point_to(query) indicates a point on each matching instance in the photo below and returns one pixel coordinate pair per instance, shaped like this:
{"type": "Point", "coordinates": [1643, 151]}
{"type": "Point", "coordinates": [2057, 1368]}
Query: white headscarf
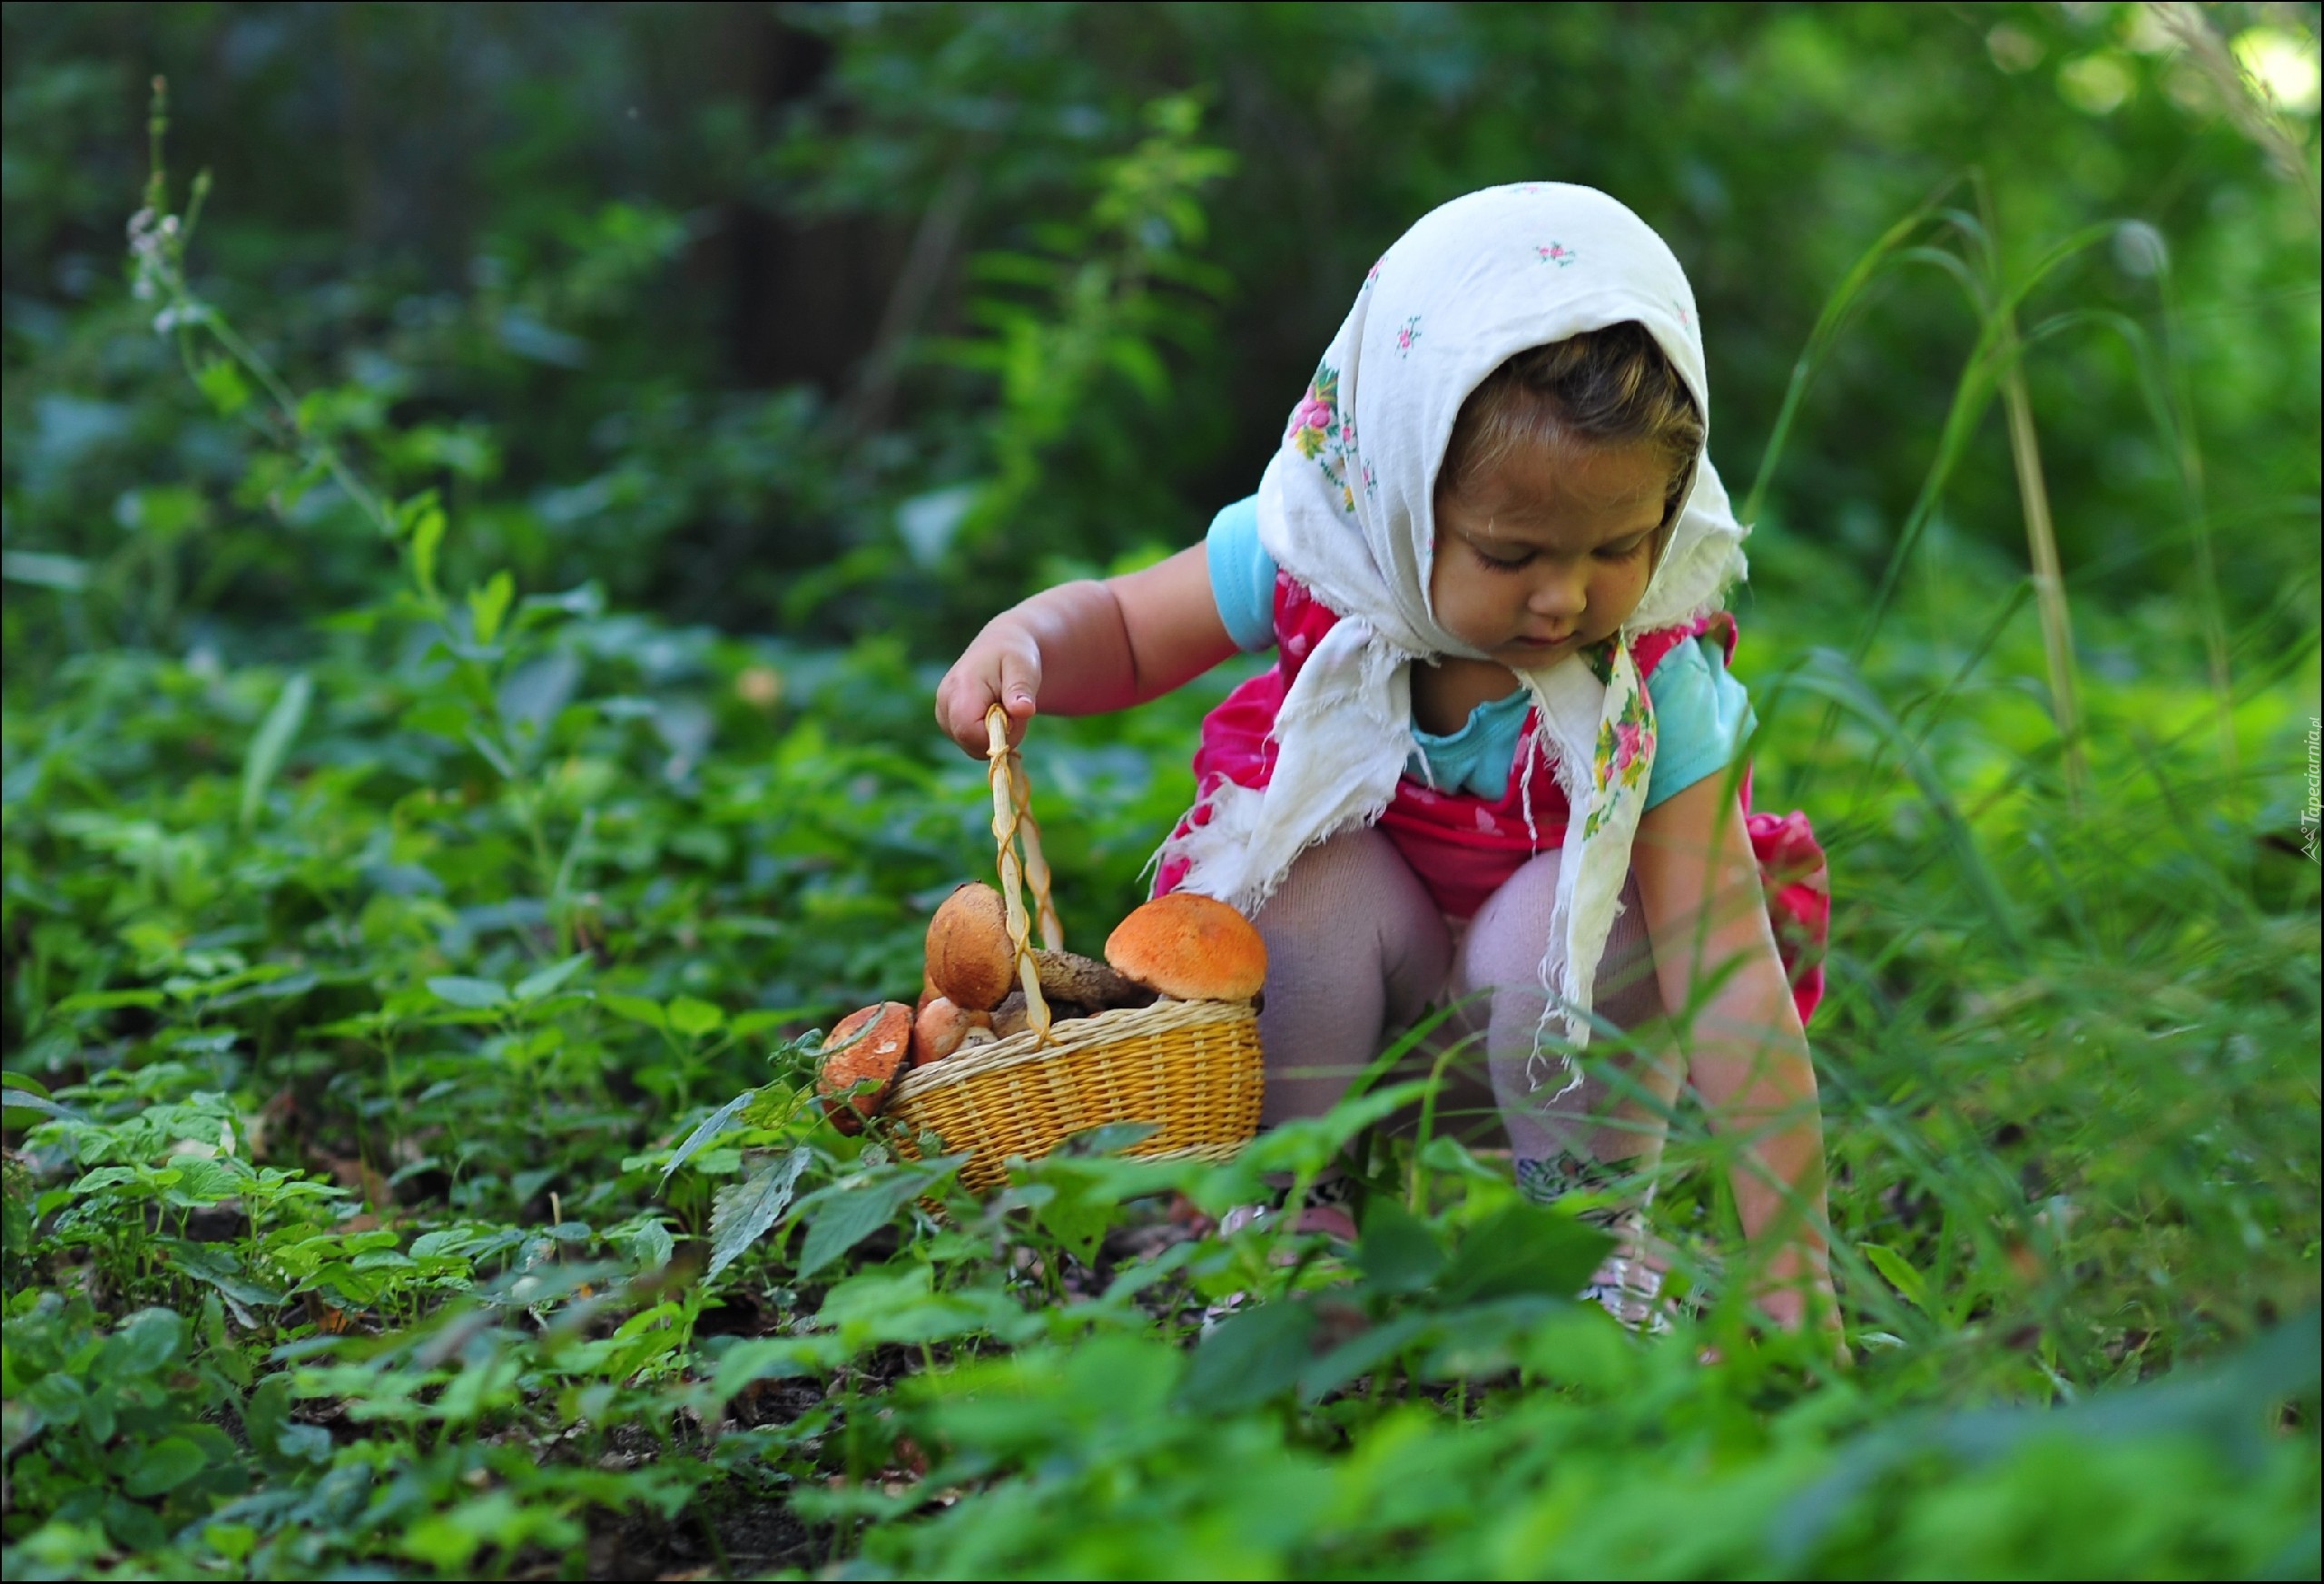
{"type": "Point", "coordinates": [1346, 509]}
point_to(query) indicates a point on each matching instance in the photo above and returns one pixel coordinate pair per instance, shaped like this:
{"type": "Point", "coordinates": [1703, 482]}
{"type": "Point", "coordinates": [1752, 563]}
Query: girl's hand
{"type": "Point", "coordinates": [1796, 1293]}
{"type": "Point", "coordinates": [1003, 667]}
{"type": "Point", "coordinates": [1715, 954]}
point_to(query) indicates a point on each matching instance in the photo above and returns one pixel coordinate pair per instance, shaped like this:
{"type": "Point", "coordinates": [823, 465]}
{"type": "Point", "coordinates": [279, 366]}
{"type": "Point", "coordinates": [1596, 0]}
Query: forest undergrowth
{"type": "Point", "coordinates": [409, 1164]}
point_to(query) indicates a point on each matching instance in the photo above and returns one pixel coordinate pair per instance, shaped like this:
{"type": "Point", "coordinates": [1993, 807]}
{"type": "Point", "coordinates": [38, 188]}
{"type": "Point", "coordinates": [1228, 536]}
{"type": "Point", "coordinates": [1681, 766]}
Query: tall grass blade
{"type": "Point", "coordinates": [1833, 318]}
{"type": "Point", "coordinates": [2042, 548]}
{"type": "Point", "coordinates": [275, 735]}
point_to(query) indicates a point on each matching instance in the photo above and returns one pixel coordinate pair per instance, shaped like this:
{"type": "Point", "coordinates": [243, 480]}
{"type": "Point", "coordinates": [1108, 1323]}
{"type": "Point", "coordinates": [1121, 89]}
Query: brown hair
{"type": "Point", "coordinates": [1611, 387]}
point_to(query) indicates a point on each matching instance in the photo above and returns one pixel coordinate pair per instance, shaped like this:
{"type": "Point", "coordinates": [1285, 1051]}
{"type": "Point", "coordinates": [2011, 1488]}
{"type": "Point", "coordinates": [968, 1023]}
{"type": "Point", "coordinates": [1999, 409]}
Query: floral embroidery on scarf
{"type": "Point", "coordinates": [1406, 336]}
{"type": "Point", "coordinates": [1318, 432]}
{"type": "Point", "coordinates": [1625, 751]}
{"type": "Point", "coordinates": [1313, 418]}
{"type": "Point", "coordinates": [1556, 253]}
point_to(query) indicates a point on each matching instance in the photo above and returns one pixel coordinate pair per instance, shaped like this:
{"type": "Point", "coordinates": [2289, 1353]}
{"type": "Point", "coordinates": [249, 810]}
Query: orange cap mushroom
{"type": "Point", "coordinates": [1193, 947]}
{"type": "Point", "coordinates": [941, 1028]}
{"type": "Point", "coordinates": [971, 961]}
{"type": "Point", "coordinates": [868, 1046]}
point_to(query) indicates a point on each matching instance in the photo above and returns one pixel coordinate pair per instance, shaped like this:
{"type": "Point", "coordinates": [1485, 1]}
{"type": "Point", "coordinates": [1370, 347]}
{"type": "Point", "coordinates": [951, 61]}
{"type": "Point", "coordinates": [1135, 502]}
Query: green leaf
{"type": "Point", "coordinates": [1249, 1357]}
{"type": "Point", "coordinates": [65, 574]}
{"type": "Point", "coordinates": [218, 1266]}
{"type": "Point", "coordinates": [22, 1108]}
{"type": "Point", "coordinates": [134, 1528]}
{"type": "Point", "coordinates": [845, 1214]}
{"type": "Point", "coordinates": [650, 1245]}
{"type": "Point", "coordinates": [472, 993]}
{"type": "Point", "coordinates": [273, 740]}
{"type": "Point", "coordinates": [742, 1025]}
{"type": "Point", "coordinates": [493, 753]}
{"type": "Point", "coordinates": [1076, 1218]}
{"type": "Point", "coordinates": [1523, 1249]}
{"type": "Point", "coordinates": [694, 1018]}
{"type": "Point", "coordinates": [1362, 1354]}
{"type": "Point", "coordinates": [1899, 1273]}
{"type": "Point", "coordinates": [107, 1000]}
{"type": "Point", "coordinates": [711, 1126]}
{"type": "Point", "coordinates": [1109, 1138]}
{"type": "Point", "coordinates": [223, 384]}
{"type": "Point", "coordinates": [637, 1008]}
{"type": "Point", "coordinates": [167, 1464]}
{"type": "Point", "coordinates": [774, 1358]}
{"type": "Point", "coordinates": [442, 716]}
{"type": "Point", "coordinates": [744, 1210]}
{"type": "Point", "coordinates": [148, 1341]}
{"type": "Point", "coordinates": [488, 605]}
{"type": "Point", "coordinates": [232, 1542]}
{"type": "Point", "coordinates": [1396, 1253]}
{"type": "Point", "coordinates": [547, 980]}
{"type": "Point", "coordinates": [57, 1398]}
{"type": "Point", "coordinates": [426, 534]}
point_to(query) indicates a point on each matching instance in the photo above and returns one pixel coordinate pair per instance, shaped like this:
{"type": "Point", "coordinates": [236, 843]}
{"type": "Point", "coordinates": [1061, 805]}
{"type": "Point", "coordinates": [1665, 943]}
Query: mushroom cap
{"type": "Point", "coordinates": [875, 1058]}
{"type": "Point", "coordinates": [971, 961]}
{"type": "Point", "coordinates": [941, 1028]}
{"type": "Point", "coordinates": [1194, 947]}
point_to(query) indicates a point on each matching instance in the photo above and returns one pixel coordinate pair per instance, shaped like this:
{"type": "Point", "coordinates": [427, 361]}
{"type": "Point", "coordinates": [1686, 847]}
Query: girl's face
{"type": "Point", "coordinates": [1549, 551]}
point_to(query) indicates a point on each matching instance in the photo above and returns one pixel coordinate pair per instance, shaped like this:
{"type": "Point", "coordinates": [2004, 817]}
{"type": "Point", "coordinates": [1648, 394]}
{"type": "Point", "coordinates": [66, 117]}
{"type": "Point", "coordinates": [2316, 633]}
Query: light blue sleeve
{"type": "Point", "coordinates": [1702, 718]}
{"type": "Point", "coordinates": [1242, 576]}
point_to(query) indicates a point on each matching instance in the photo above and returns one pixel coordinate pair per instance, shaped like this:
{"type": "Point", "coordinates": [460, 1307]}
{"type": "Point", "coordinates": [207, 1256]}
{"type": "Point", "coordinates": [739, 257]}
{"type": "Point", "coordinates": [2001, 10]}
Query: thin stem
{"type": "Point", "coordinates": [2040, 538]}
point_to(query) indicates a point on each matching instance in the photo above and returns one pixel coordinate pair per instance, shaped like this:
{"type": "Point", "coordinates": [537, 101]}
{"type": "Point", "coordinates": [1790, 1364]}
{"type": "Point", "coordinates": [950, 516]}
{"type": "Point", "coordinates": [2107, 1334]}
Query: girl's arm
{"type": "Point", "coordinates": [1715, 952]}
{"type": "Point", "coordinates": [1086, 648]}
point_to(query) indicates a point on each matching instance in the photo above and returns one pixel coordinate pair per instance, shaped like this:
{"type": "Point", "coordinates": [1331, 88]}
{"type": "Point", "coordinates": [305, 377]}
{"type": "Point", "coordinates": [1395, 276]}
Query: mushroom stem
{"type": "Point", "coordinates": [1068, 976]}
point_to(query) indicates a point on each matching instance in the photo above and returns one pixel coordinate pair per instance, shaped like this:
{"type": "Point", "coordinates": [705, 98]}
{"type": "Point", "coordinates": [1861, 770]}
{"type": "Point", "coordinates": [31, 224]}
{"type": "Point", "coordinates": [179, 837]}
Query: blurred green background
{"type": "Point", "coordinates": [715, 304]}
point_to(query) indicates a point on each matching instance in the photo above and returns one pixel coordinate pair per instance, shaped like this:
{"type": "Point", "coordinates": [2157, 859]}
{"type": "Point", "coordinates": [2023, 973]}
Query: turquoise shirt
{"type": "Point", "coordinates": [1702, 715]}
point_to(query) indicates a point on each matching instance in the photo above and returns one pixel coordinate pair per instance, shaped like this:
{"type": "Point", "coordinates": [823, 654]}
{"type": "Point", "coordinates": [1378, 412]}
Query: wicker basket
{"type": "Point", "coordinates": [1191, 1067]}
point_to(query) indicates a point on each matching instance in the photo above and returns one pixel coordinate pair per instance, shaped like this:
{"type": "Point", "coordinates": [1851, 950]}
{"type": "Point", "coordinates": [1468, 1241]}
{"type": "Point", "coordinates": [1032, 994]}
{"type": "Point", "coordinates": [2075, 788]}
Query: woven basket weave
{"type": "Point", "coordinates": [1190, 1068]}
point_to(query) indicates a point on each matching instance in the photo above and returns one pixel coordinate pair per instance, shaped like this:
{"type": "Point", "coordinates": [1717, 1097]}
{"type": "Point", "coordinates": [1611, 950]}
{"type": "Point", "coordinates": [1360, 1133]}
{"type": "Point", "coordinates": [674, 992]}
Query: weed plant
{"type": "Point", "coordinates": [410, 1167]}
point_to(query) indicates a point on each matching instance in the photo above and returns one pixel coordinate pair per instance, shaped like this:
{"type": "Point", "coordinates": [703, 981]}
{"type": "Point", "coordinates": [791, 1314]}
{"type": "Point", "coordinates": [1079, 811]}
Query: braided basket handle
{"type": "Point", "coordinates": [1013, 825]}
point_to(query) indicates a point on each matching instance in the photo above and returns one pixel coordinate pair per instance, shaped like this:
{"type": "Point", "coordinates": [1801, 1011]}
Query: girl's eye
{"type": "Point", "coordinates": [1625, 550]}
{"type": "Point", "coordinates": [1498, 565]}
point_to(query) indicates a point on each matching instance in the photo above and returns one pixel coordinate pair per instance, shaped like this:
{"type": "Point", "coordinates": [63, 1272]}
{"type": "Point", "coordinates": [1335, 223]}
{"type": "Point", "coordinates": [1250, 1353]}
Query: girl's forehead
{"type": "Point", "coordinates": [1539, 489]}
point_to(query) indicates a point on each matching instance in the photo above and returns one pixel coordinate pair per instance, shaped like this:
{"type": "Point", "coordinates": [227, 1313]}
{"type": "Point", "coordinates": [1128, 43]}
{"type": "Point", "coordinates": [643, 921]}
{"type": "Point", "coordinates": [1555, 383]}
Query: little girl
{"type": "Point", "coordinates": [1494, 754]}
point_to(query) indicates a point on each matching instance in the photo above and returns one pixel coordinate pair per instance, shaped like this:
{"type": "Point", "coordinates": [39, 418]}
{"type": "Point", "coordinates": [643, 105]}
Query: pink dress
{"type": "Point", "coordinates": [1463, 846]}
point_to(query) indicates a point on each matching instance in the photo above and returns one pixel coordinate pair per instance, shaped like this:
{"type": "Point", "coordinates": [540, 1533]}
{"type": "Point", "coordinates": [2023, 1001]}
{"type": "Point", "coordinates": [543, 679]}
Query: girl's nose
{"type": "Point", "coordinates": [1563, 593]}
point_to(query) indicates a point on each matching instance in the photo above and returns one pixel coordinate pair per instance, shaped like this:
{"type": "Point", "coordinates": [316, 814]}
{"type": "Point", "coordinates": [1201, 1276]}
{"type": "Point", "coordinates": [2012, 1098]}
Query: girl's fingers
{"type": "Point", "coordinates": [992, 672]}
{"type": "Point", "coordinates": [961, 701]}
{"type": "Point", "coordinates": [1020, 686]}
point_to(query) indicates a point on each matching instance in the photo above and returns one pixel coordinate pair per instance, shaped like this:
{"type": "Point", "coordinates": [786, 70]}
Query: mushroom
{"type": "Point", "coordinates": [1009, 1018]}
{"type": "Point", "coordinates": [1191, 948]}
{"type": "Point", "coordinates": [942, 1029]}
{"type": "Point", "coordinates": [972, 962]}
{"type": "Point", "coordinates": [866, 1047]}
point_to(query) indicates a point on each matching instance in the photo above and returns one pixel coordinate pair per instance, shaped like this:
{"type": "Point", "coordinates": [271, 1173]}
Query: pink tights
{"type": "Point", "coordinates": [1358, 952]}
